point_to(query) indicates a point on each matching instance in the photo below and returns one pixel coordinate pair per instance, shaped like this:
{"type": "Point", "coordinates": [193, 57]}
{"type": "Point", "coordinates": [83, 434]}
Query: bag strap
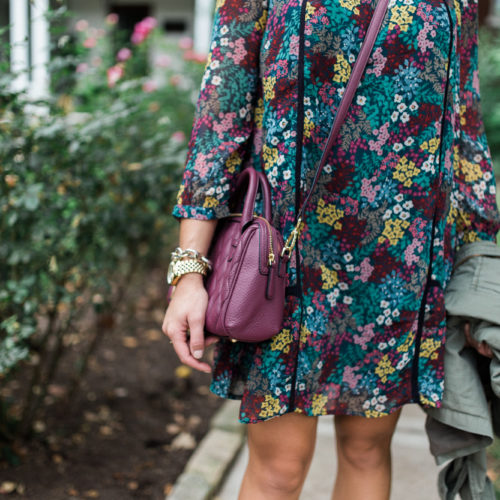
{"type": "Point", "coordinates": [347, 97]}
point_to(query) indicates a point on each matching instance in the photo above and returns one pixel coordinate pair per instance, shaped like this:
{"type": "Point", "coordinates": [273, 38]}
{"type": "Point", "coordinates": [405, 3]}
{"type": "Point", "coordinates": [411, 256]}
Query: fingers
{"type": "Point", "coordinates": [468, 339]}
{"type": "Point", "coordinates": [183, 352]}
{"type": "Point", "coordinates": [211, 339]}
{"type": "Point", "coordinates": [481, 347]}
{"type": "Point", "coordinates": [184, 324]}
{"type": "Point", "coordinates": [485, 350]}
{"type": "Point", "coordinates": [180, 342]}
{"type": "Point", "coordinates": [197, 339]}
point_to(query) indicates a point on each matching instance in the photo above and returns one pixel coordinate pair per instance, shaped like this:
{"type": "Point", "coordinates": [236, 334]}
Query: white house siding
{"type": "Point", "coordinates": [95, 11]}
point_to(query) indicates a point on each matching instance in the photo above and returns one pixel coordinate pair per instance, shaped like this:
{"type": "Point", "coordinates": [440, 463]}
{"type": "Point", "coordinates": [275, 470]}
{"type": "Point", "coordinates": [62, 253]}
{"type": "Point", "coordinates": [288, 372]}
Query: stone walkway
{"type": "Point", "coordinates": [414, 471]}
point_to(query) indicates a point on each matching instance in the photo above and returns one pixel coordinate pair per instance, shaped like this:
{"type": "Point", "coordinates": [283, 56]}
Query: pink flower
{"type": "Point", "coordinates": [185, 43]}
{"type": "Point", "coordinates": [142, 30]}
{"type": "Point", "coordinates": [367, 334]}
{"type": "Point", "coordinates": [178, 136]}
{"type": "Point", "coordinates": [114, 74]}
{"type": "Point", "coordinates": [239, 51]}
{"type": "Point", "coordinates": [112, 19]}
{"type": "Point", "coordinates": [366, 270]}
{"type": "Point", "coordinates": [150, 23]}
{"type": "Point", "coordinates": [175, 80]}
{"type": "Point", "coordinates": [81, 25]}
{"type": "Point", "coordinates": [163, 61]}
{"type": "Point", "coordinates": [149, 86]}
{"type": "Point", "coordinates": [201, 58]}
{"type": "Point", "coordinates": [138, 37]}
{"type": "Point", "coordinates": [294, 45]}
{"type": "Point", "coordinates": [124, 54]}
{"type": "Point", "coordinates": [82, 68]}
{"type": "Point", "coordinates": [191, 55]}
{"type": "Point", "coordinates": [90, 43]}
{"type": "Point", "coordinates": [224, 123]}
{"type": "Point", "coordinates": [350, 378]}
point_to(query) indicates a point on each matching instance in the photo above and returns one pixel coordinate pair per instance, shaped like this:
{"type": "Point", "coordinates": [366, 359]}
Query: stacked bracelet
{"type": "Point", "coordinates": [179, 253]}
{"type": "Point", "coordinates": [186, 261]}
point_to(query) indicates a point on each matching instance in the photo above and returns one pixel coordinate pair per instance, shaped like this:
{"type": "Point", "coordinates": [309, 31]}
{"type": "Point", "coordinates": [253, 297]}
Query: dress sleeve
{"type": "Point", "coordinates": [223, 120]}
{"type": "Point", "coordinates": [474, 205]}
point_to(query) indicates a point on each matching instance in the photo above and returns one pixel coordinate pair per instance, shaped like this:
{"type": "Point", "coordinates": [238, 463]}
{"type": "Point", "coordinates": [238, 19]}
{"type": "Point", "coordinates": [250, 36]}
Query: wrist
{"type": "Point", "coordinates": [191, 279]}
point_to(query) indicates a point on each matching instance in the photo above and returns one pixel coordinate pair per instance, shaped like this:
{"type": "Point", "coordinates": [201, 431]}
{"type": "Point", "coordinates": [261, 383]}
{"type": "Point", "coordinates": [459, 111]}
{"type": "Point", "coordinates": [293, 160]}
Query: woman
{"type": "Point", "coordinates": [408, 182]}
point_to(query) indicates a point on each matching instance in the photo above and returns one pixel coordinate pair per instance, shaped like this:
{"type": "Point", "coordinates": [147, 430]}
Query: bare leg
{"type": "Point", "coordinates": [364, 457]}
{"type": "Point", "coordinates": [280, 453]}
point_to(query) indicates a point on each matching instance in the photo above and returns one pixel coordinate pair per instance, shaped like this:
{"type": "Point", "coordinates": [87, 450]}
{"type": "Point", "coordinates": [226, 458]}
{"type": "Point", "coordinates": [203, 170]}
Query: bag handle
{"type": "Point", "coordinates": [247, 187]}
{"type": "Point", "coordinates": [347, 97]}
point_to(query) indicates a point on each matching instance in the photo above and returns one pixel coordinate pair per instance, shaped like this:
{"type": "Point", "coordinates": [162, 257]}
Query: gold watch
{"type": "Point", "coordinates": [178, 268]}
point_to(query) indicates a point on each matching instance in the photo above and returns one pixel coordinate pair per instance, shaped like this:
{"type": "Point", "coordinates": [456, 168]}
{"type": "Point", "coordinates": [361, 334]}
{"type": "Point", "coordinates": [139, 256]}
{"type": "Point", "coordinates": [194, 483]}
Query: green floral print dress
{"type": "Point", "coordinates": [408, 181]}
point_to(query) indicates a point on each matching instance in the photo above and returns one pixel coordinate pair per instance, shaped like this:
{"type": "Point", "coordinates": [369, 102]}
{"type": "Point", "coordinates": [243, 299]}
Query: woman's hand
{"type": "Point", "coordinates": [186, 313]}
{"type": "Point", "coordinates": [481, 347]}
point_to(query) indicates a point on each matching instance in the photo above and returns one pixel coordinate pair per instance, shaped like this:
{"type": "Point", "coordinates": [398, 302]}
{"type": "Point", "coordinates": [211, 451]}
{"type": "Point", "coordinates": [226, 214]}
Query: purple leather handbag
{"type": "Point", "coordinates": [246, 288]}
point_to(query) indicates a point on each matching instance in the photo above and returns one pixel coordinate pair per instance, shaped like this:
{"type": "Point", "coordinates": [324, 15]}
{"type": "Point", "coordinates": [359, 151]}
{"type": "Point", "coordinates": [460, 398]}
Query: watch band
{"type": "Point", "coordinates": [180, 253]}
{"type": "Point", "coordinates": [182, 267]}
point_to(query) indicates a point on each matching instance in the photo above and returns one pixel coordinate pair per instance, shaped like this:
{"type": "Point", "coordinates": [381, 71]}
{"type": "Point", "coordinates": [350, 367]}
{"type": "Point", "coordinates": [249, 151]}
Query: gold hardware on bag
{"type": "Point", "coordinates": [271, 256]}
{"type": "Point", "coordinates": [292, 239]}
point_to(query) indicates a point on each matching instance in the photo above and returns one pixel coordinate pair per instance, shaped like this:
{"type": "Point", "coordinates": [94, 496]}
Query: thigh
{"type": "Point", "coordinates": [291, 437]}
{"type": "Point", "coordinates": [375, 431]}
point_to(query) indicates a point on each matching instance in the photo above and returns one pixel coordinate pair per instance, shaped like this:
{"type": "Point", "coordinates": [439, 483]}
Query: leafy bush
{"type": "Point", "coordinates": [489, 70]}
{"type": "Point", "coordinates": [86, 185]}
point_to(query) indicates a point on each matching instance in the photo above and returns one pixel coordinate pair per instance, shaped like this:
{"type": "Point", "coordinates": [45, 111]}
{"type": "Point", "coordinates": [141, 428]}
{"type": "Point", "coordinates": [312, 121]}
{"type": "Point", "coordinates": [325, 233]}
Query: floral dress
{"type": "Point", "coordinates": [408, 181]}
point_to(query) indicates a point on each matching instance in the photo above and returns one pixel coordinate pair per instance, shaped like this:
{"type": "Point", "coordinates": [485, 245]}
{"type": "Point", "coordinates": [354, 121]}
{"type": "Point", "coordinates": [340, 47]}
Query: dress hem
{"type": "Point", "coordinates": [312, 413]}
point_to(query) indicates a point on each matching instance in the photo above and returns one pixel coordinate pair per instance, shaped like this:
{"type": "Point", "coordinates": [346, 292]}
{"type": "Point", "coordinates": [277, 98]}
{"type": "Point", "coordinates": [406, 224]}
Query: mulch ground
{"type": "Point", "coordinates": [133, 425]}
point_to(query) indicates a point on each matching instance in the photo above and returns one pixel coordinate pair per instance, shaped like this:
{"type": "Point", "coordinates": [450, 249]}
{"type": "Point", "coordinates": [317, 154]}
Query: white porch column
{"type": "Point", "coordinates": [40, 49]}
{"type": "Point", "coordinates": [203, 10]}
{"type": "Point", "coordinates": [19, 55]}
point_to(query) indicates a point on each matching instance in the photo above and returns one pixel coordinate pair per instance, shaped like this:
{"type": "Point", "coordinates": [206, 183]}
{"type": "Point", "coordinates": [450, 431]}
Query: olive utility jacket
{"type": "Point", "coordinates": [469, 416]}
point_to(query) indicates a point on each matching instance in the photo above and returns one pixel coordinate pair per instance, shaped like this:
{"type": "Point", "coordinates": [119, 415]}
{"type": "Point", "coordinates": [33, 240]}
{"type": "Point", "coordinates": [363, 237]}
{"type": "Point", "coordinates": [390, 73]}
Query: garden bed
{"type": "Point", "coordinates": [133, 425]}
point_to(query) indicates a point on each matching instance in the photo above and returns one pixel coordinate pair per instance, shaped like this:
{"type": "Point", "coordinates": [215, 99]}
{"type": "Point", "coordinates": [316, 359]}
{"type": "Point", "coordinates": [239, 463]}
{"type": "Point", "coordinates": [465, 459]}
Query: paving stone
{"type": "Point", "coordinates": [214, 454]}
{"type": "Point", "coordinates": [227, 417]}
{"type": "Point", "coordinates": [190, 486]}
{"type": "Point", "coordinates": [212, 458]}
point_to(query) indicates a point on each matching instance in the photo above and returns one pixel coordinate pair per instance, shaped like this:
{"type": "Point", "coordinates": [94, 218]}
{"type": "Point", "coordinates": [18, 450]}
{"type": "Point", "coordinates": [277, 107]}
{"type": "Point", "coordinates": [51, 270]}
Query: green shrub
{"type": "Point", "coordinates": [87, 180]}
{"type": "Point", "coordinates": [489, 70]}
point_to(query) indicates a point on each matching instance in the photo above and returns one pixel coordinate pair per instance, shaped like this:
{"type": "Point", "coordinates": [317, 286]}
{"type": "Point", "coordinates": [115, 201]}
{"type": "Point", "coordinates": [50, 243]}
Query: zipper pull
{"type": "Point", "coordinates": [271, 260]}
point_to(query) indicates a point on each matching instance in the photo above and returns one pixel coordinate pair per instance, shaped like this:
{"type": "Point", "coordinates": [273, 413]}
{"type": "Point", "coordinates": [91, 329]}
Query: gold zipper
{"type": "Point", "coordinates": [271, 256]}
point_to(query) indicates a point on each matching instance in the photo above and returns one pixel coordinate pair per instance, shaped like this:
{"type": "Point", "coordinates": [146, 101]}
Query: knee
{"type": "Point", "coordinates": [282, 474]}
{"type": "Point", "coordinates": [363, 453]}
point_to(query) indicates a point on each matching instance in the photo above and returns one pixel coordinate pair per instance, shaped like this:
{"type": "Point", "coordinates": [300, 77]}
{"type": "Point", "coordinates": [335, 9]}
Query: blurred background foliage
{"type": "Point", "coordinates": [88, 178]}
{"type": "Point", "coordinates": [489, 71]}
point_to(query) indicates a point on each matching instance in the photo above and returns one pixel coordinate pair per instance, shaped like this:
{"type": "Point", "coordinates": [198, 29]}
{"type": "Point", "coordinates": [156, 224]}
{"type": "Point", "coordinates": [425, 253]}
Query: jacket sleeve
{"type": "Point", "coordinates": [223, 120]}
{"type": "Point", "coordinates": [473, 196]}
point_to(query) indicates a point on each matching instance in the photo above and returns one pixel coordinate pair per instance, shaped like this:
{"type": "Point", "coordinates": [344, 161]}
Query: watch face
{"type": "Point", "coordinates": [170, 273]}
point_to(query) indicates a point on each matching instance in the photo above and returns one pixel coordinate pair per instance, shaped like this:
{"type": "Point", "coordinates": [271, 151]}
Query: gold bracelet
{"type": "Point", "coordinates": [178, 268]}
{"type": "Point", "coordinates": [179, 254]}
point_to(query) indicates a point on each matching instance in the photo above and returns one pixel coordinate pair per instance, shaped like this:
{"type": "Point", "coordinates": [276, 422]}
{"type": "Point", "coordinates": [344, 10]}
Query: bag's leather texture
{"type": "Point", "coordinates": [246, 294]}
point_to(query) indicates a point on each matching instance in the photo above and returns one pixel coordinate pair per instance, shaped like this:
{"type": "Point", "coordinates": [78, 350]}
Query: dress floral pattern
{"type": "Point", "coordinates": [407, 183]}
